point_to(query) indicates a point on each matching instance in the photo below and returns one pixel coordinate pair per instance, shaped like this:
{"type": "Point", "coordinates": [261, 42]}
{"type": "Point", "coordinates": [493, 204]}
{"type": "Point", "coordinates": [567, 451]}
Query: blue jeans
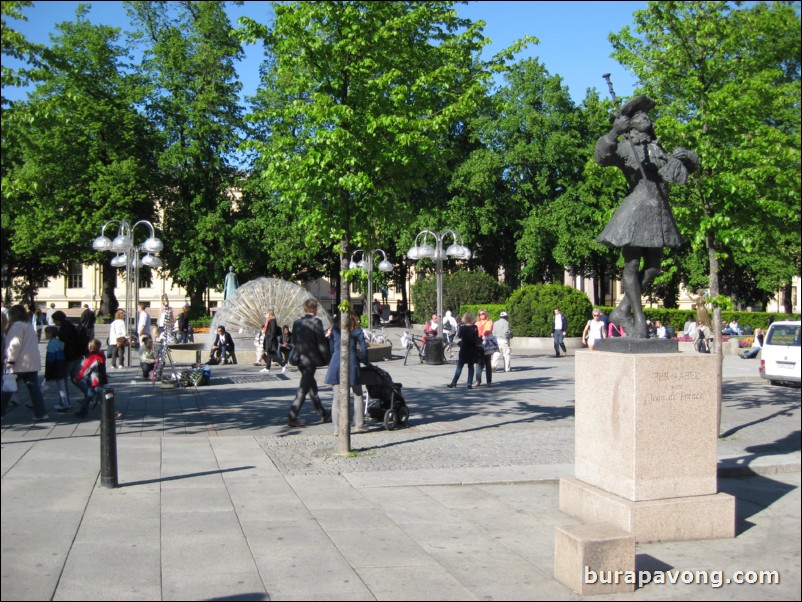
{"type": "Point", "coordinates": [31, 380]}
{"type": "Point", "coordinates": [558, 342]}
{"type": "Point", "coordinates": [458, 372]}
{"type": "Point", "coordinates": [89, 394]}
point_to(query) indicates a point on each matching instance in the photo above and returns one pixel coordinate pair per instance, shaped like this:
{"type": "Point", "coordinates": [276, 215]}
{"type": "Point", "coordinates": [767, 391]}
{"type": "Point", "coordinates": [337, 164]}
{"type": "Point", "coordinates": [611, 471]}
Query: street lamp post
{"type": "Point", "coordinates": [426, 251]}
{"type": "Point", "coordinates": [128, 257]}
{"type": "Point", "coordinates": [367, 264]}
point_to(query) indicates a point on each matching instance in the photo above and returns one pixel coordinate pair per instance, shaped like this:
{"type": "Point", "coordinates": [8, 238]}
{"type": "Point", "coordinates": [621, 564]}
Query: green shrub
{"type": "Point", "coordinates": [459, 288]}
{"type": "Point", "coordinates": [753, 319]}
{"type": "Point", "coordinates": [531, 309]}
{"type": "Point", "coordinates": [202, 321]}
{"type": "Point", "coordinates": [493, 310]}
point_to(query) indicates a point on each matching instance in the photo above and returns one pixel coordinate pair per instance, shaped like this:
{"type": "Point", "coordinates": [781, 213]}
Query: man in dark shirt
{"type": "Point", "coordinates": [310, 349]}
{"type": "Point", "coordinates": [74, 351]}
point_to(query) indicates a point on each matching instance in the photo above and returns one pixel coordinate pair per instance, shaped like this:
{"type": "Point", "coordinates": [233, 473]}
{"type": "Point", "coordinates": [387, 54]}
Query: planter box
{"type": "Point", "coordinates": [378, 353]}
{"type": "Point", "coordinates": [542, 343]}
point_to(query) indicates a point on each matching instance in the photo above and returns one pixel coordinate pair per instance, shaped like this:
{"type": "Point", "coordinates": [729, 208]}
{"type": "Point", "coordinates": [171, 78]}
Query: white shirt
{"type": "Point", "coordinates": [143, 323]}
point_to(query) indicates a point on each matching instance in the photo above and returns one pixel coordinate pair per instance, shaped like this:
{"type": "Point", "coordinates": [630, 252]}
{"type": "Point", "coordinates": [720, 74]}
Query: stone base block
{"type": "Point", "coordinates": [674, 519]}
{"type": "Point", "coordinates": [380, 352]}
{"type": "Point", "coordinates": [646, 425]}
{"type": "Point", "coordinates": [587, 556]}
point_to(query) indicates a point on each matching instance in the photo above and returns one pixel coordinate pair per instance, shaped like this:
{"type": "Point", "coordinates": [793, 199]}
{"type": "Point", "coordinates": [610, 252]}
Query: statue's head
{"type": "Point", "coordinates": [231, 268]}
{"type": "Point", "coordinates": [639, 104]}
{"type": "Point", "coordinates": [637, 110]}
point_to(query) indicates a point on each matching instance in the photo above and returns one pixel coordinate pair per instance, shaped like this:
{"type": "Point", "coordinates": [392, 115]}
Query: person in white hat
{"type": "Point", "coordinates": [501, 329]}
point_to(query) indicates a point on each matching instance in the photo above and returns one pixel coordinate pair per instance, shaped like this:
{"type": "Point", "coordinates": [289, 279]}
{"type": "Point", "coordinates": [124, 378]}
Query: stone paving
{"type": "Point", "coordinates": [219, 499]}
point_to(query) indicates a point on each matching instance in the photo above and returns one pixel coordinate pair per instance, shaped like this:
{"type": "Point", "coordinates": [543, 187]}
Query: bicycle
{"type": "Point", "coordinates": [372, 337]}
{"type": "Point", "coordinates": [411, 341]}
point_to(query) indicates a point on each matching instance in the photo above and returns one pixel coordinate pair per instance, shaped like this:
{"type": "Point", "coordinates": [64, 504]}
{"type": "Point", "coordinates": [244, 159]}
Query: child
{"type": "Point", "coordinates": [56, 367]}
{"type": "Point", "coordinates": [91, 377]}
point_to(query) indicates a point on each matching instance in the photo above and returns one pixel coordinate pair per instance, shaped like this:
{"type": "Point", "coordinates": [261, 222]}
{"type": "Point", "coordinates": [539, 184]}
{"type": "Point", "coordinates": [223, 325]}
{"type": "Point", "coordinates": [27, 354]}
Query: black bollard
{"type": "Point", "coordinates": [108, 439]}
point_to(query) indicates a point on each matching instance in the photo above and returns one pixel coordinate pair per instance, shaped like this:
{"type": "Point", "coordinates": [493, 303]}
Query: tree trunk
{"type": "Point", "coordinates": [29, 291]}
{"type": "Point", "coordinates": [108, 302]}
{"type": "Point", "coordinates": [197, 305]}
{"type": "Point", "coordinates": [717, 347]}
{"type": "Point", "coordinates": [788, 306]}
{"type": "Point", "coordinates": [343, 425]}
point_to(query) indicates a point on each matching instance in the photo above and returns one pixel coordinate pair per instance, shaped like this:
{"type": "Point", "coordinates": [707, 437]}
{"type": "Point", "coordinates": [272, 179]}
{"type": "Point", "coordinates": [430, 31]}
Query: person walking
{"type": "Point", "coordinates": [39, 322]}
{"type": "Point", "coordinates": [24, 360]}
{"type": "Point", "coordinates": [56, 368]}
{"type": "Point", "coordinates": [468, 348]}
{"type": "Point", "coordinates": [503, 335]}
{"type": "Point", "coordinates": [559, 326]}
{"type": "Point", "coordinates": [484, 325]}
{"type": "Point", "coordinates": [310, 349]}
{"type": "Point", "coordinates": [375, 313]}
{"type": "Point", "coordinates": [358, 348]}
{"type": "Point", "coordinates": [91, 377]}
{"type": "Point", "coordinates": [87, 322]}
{"type": "Point", "coordinates": [594, 330]}
{"type": "Point", "coordinates": [449, 332]}
{"type": "Point", "coordinates": [118, 340]}
{"type": "Point", "coordinates": [74, 347]}
{"type": "Point", "coordinates": [269, 342]}
{"type": "Point", "coordinates": [49, 315]}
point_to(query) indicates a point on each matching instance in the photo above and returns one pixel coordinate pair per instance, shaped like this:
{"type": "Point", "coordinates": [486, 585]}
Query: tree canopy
{"type": "Point", "coordinates": [376, 120]}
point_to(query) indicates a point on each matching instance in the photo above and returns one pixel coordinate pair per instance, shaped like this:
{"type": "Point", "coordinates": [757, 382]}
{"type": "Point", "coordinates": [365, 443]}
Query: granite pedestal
{"type": "Point", "coordinates": [646, 433]}
{"type": "Point", "coordinates": [645, 443]}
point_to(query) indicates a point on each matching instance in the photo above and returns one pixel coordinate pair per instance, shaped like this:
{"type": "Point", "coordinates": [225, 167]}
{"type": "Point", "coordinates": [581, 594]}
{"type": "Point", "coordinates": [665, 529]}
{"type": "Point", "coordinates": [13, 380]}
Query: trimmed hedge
{"type": "Point", "coordinates": [531, 309]}
{"type": "Point", "coordinates": [459, 289]}
{"type": "Point", "coordinates": [677, 317]}
{"type": "Point", "coordinates": [493, 310]}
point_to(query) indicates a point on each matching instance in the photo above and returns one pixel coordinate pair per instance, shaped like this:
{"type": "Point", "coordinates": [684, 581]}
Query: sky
{"type": "Point", "coordinates": [573, 36]}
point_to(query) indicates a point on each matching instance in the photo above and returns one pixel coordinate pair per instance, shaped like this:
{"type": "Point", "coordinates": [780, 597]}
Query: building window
{"type": "Point", "coordinates": [74, 304]}
{"type": "Point", "coordinates": [76, 276]}
{"type": "Point", "coordinates": [145, 278]}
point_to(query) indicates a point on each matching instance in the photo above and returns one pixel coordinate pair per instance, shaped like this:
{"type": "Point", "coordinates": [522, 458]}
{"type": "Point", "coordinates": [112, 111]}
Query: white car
{"type": "Point", "coordinates": [780, 362]}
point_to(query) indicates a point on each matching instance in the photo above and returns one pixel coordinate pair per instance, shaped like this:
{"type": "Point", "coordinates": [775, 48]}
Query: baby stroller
{"type": "Point", "coordinates": [385, 401]}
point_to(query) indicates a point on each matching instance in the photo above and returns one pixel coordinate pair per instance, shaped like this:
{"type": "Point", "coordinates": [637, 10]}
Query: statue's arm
{"type": "Point", "coordinates": [678, 165]}
{"type": "Point", "coordinates": [606, 153]}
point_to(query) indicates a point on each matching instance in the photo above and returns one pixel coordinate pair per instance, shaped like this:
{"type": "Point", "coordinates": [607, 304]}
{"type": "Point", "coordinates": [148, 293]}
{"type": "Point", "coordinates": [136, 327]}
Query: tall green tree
{"type": "Point", "coordinates": [529, 153]}
{"type": "Point", "coordinates": [80, 154]}
{"type": "Point", "coordinates": [726, 79]}
{"type": "Point", "coordinates": [189, 59]}
{"type": "Point", "coordinates": [369, 92]}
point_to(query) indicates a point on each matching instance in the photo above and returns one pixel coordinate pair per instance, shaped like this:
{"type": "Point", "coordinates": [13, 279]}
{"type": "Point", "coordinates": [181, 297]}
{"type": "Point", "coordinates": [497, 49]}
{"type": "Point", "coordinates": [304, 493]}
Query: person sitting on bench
{"type": "Point", "coordinates": [222, 348]}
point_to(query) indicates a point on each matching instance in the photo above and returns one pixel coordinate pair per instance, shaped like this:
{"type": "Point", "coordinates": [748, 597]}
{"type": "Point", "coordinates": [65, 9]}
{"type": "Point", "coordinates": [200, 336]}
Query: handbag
{"type": "Point", "coordinates": [122, 342]}
{"type": "Point", "coordinates": [9, 382]}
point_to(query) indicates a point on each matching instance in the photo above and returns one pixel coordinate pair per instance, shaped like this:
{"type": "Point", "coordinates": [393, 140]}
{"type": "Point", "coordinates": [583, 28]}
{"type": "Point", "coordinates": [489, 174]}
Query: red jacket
{"type": "Point", "coordinates": [90, 367]}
